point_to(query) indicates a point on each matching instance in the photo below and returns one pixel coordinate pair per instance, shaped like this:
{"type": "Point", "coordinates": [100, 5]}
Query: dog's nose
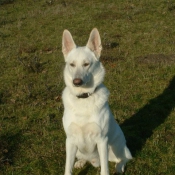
{"type": "Point", "coordinates": [77, 82]}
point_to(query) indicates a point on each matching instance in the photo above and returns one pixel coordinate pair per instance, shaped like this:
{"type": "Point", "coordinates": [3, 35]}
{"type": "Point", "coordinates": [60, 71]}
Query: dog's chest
{"type": "Point", "coordinates": [84, 107]}
{"type": "Point", "coordinates": [86, 136]}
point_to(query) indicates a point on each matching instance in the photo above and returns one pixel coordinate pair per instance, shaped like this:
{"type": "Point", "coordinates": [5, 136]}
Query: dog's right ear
{"type": "Point", "coordinates": [67, 43]}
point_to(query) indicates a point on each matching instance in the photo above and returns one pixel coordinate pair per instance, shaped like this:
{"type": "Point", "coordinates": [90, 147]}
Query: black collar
{"type": "Point", "coordinates": [86, 95]}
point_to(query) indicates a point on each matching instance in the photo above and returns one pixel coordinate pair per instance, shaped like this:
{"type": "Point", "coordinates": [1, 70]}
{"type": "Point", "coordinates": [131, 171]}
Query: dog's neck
{"type": "Point", "coordinates": [86, 95]}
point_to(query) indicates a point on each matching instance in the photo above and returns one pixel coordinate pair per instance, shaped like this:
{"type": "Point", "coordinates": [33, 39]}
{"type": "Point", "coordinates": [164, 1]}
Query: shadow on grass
{"type": "Point", "coordinates": [140, 126]}
{"type": "Point", "coordinates": [9, 146]}
{"type": "Point", "coordinates": [3, 2]}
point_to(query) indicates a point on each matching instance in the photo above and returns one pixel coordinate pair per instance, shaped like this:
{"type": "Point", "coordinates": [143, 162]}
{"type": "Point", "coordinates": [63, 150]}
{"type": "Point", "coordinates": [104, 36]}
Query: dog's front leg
{"type": "Point", "coordinates": [102, 146]}
{"type": "Point", "coordinates": [71, 150]}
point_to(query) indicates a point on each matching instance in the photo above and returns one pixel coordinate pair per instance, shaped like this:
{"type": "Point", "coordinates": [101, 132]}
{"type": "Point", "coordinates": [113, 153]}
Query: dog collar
{"type": "Point", "coordinates": [84, 95]}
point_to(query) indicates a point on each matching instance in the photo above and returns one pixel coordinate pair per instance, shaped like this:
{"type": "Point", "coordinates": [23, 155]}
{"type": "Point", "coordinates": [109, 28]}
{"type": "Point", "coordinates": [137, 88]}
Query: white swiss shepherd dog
{"type": "Point", "coordinates": [92, 132]}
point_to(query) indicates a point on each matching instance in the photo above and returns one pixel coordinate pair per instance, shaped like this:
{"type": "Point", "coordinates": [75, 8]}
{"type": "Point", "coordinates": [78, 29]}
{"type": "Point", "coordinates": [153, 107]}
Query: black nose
{"type": "Point", "coordinates": [77, 82]}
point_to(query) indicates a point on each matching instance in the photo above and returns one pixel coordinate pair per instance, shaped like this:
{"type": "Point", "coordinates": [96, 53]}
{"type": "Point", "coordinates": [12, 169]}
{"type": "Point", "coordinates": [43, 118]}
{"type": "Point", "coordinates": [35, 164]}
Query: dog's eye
{"type": "Point", "coordinates": [72, 65]}
{"type": "Point", "coordinates": [86, 64]}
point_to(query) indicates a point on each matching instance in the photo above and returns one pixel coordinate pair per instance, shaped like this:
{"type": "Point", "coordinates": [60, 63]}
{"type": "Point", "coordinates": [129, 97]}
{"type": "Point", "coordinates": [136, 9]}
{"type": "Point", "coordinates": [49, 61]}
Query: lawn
{"type": "Point", "coordinates": [138, 54]}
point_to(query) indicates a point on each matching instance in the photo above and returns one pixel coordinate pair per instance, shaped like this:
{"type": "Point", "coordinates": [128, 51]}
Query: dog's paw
{"type": "Point", "coordinates": [120, 167]}
{"type": "Point", "coordinates": [95, 162]}
{"type": "Point", "coordinates": [79, 163]}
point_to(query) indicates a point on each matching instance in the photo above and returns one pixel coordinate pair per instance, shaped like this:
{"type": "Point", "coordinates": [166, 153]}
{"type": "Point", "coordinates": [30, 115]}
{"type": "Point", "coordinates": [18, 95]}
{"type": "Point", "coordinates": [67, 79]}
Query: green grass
{"type": "Point", "coordinates": [139, 56]}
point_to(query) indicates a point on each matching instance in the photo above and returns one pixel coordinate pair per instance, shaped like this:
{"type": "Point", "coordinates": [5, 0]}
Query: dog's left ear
{"type": "Point", "coordinates": [94, 43]}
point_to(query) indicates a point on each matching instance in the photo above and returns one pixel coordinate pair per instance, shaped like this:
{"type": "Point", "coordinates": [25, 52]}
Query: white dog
{"type": "Point", "coordinates": [92, 132]}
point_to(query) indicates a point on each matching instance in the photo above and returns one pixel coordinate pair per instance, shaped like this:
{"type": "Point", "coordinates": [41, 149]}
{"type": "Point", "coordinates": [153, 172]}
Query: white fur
{"type": "Point", "coordinates": [92, 132]}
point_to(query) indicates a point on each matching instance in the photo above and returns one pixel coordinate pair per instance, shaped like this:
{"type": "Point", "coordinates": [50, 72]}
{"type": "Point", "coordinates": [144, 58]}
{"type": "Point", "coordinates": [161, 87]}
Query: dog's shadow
{"type": "Point", "coordinates": [140, 126]}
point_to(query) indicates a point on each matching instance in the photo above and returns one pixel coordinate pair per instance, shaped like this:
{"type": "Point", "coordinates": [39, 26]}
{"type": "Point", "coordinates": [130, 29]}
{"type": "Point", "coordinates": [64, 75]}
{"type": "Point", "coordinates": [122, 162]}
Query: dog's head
{"type": "Point", "coordinates": [83, 71]}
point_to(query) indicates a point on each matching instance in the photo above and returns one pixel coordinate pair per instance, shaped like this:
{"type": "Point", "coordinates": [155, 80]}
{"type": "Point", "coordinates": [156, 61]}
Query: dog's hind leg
{"type": "Point", "coordinates": [123, 155]}
{"type": "Point", "coordinates": [126, 157]}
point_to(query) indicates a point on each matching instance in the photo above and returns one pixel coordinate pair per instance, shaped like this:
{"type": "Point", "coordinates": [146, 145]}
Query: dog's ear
{"type": "Point", "coordinates": [67, 43]}
{"type": "Point", "coordinates": [94, 43]}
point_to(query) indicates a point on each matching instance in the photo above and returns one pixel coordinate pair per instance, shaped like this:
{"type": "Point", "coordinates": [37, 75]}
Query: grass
{"type": "Point", "coordinates": [139, 57]}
